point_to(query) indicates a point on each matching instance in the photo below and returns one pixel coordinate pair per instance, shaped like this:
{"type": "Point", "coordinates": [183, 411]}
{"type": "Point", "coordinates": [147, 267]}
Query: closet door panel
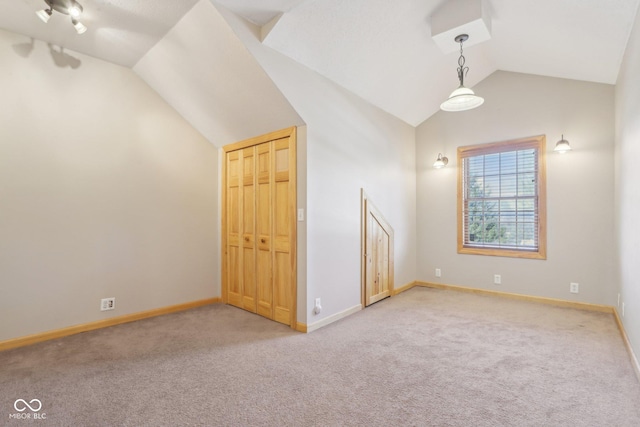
{"type": "Point", "coordinates": [263, 231]}
{"type": "Point", "coordinates": [248, 230]}
{"type": "Point", "coordinates": [282, 233]}
{"type": "Point", "coordinates": [234, 230]}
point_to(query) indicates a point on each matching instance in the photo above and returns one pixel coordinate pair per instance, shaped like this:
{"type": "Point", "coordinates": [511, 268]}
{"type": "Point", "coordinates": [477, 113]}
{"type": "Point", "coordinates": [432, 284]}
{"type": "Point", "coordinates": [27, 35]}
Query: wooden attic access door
{"type": "Point", "coordinates": [259, 226]}
{"type": "Point", "coordinates": [377, 271]}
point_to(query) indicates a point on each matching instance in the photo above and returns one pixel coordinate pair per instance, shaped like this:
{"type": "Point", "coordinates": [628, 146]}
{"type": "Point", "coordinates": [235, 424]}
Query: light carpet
{"type": "Point", "coordinates": [423, 358]}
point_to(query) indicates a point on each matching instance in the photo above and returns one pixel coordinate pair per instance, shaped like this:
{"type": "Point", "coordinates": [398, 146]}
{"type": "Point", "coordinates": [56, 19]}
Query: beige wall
{"type": "Point", "coordinates": [628, 186]}
{"type": "Point", "coordinates": [579, 186]}
{"type": "Point", "coordinates": [105, 191]}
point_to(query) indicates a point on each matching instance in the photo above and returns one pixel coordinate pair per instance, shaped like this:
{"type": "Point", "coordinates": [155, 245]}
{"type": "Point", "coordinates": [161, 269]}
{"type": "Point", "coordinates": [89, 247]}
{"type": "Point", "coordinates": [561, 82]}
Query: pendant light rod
{"type": "Point", "coordinates": [462, 70]}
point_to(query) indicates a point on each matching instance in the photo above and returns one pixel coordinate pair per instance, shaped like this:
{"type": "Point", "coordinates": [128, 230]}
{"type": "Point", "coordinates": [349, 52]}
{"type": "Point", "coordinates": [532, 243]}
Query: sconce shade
{"type": "Point", "coordinates": [562, 146]}
{"type": "Point", "coordinates": [441, 161]}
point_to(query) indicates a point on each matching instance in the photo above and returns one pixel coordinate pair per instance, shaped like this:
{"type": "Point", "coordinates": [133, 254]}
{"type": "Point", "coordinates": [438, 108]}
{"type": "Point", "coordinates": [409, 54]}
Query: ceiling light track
{"type": "Point", "coordinates": [65, 7]}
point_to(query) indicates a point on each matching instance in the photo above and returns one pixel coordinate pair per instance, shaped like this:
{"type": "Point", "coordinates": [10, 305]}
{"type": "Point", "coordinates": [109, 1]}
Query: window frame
{"type": "Point", "coordinates": [538, 142]}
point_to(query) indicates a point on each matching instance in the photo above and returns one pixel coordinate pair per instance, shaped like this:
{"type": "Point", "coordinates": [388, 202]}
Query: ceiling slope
{"type": "Point", "coordinates": [203, 70]}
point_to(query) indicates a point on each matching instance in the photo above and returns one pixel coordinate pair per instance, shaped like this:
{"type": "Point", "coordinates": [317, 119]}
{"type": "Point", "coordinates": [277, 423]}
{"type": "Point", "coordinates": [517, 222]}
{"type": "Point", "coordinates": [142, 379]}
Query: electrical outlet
{"type": "Point", "coordinates": [574, 288]}
{"type": "Point", "coordinates": [107, 304]}
{"type": "Point", "coordinates": [497, 279]}
{"type": "Point", "coordinates": [438, 272]}
{"type": "Point", "coordinates": [300, 215]}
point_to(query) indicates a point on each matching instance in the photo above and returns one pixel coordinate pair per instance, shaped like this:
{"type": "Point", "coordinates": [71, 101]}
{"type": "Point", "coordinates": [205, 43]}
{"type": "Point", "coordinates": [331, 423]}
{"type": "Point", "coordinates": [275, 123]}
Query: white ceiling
{"type": "Point", "coordinates": [120, 31]}
{"type": "Point", "coordinates": [379, 49]}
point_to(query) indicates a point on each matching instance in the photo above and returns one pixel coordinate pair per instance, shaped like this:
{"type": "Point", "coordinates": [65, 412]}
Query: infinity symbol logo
{"type": "Point", "coordinates": [26, 405]}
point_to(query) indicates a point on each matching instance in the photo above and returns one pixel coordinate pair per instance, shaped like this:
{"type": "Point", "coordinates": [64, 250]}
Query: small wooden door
{"type": "Point", "coordinates": [378, 255]}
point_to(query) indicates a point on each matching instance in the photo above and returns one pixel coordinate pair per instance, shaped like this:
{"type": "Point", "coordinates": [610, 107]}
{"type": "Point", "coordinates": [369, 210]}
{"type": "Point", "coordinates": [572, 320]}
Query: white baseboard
{"type": "Point", "coordinates": [333, 318]}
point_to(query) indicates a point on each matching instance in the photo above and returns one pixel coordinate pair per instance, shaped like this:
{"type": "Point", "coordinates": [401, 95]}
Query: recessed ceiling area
{"type": "Point", "coordinates": [381, 50]}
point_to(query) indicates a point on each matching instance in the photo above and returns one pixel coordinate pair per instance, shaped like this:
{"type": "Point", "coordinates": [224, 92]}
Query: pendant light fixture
{"type": "Point", "coordinates": [562, 146]}
{"type": "Point", "coordinates": [66, 7]}
{"type": "Point", "coordinates": [462, 98]}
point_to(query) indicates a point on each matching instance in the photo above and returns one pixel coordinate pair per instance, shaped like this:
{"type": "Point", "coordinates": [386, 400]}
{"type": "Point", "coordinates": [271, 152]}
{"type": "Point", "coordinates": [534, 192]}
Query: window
{"type": "Point", "coordinates": [502, 199]}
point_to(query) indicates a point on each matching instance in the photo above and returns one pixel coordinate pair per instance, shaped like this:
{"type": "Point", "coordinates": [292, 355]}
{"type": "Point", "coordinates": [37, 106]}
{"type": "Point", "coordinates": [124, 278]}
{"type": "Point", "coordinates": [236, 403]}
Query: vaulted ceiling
{"type": "Point", "coordinates": [381, 50]}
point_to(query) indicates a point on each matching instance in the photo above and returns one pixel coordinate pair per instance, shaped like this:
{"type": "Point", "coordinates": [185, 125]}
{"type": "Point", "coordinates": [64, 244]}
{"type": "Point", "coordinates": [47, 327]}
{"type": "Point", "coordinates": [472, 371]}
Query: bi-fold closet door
{"type": "Point", "coordinates": [259, 228]}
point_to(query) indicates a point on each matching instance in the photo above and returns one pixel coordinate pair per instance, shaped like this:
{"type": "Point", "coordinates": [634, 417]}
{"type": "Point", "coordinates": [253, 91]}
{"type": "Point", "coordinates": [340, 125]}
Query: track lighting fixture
{"type": "Point", "coordinates": [462, 98]}
{"type": "Point", "coordinates": [66, 7]}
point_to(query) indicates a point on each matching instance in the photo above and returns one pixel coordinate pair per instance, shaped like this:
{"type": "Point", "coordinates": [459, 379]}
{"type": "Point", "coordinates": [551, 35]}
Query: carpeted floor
{"type": "Point", "coordinates": [423, 358]}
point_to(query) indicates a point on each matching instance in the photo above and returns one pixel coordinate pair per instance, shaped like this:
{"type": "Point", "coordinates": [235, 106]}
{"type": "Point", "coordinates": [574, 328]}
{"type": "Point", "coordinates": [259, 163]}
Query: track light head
{"type": "Point", "coordinates": [44, 14]}
{"type": "Point", "coordinates": [75, 9]}
{"type": "Point", "coordinates": [79, 26]}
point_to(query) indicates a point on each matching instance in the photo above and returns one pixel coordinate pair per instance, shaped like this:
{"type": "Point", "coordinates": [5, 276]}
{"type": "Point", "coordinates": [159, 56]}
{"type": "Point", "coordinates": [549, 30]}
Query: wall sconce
{"type": "Point", "coordinates": [562, 146]}
{"type": "Point", "coordinates": [441, 161]}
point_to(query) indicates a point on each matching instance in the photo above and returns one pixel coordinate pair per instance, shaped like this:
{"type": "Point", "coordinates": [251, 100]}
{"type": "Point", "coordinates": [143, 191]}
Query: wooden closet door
{"type": "Point", "coordinates": [259, 226]}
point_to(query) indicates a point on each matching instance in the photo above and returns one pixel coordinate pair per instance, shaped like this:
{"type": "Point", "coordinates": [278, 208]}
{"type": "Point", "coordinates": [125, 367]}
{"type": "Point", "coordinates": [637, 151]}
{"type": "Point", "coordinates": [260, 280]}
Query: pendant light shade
{"type": "Point", "coordinates": [462, 98]}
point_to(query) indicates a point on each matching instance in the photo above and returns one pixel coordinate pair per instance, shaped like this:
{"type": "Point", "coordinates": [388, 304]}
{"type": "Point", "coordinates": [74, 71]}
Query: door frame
{"type": "Point", "coordinates": [293, 183]}
{"type": "Point", "coordinates": [366, 207]}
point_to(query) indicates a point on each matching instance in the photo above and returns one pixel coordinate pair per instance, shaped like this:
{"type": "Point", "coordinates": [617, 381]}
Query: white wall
{"type": "Point", "coordinates": [627, 100]}
{"type": "Point", "coordinates": [349, 145]}
{"type": "Point", "coordinates": [105, 191]}
{"type": "Point", "coordinates": [580, 239]}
